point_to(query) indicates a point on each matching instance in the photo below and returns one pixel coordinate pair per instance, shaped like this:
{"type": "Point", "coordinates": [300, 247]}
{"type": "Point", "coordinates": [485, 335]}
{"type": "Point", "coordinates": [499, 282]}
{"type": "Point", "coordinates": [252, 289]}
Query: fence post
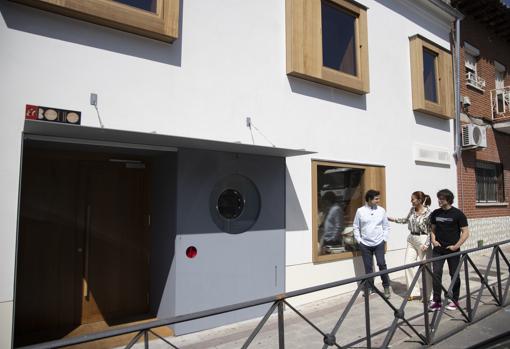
{"type": "Point", "coordinates": [498, 271]}
{"type": "Point", "coordinates": [424, 299]}
{"type": "Point", "coordinates": [367, 313]}
{"type": "Point", "coordinates": [281, 327]}
{"type": "Point", "coordinates": [468, 291]}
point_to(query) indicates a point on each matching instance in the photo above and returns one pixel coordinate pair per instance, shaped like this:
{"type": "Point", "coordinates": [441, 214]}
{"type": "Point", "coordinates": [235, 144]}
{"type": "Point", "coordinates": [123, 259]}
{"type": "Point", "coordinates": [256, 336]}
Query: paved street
{"type": "Point", "coordinates": [325, 313]}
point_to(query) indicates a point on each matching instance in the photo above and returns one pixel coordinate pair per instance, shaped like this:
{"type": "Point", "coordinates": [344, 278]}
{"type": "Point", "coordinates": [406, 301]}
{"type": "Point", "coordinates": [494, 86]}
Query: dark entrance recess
{"type": "Point", "coordinates": [84, 242]}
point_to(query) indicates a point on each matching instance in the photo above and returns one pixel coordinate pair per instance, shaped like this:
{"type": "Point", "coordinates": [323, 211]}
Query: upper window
{"type": "Point", "coordinates": [338, 191]}
{"type": "Point", "coordinates": [327, 43]}
{"type": "Point", "coordinates": [471, 54]}
{"type": "Point", "coordinates": [432, 81]}
{"type": "Point", "coordinates": [157, 19]}
{"type": "Point", "coordinates": [489, 182]}
{"type": "Point", "coordinates": [430, 75]}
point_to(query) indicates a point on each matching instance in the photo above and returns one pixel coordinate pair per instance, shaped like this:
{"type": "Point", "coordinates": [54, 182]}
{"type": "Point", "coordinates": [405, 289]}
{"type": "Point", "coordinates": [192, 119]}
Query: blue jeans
{"type": "Point", "coordinates": [367, 253]}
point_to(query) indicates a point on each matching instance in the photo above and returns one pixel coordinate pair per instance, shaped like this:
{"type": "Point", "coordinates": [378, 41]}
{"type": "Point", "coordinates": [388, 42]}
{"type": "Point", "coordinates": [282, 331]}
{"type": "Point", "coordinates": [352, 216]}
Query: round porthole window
{"type": "Point", "coordinates": [230, 204]}
{"type": "Point", "coordinates": [234, 204]}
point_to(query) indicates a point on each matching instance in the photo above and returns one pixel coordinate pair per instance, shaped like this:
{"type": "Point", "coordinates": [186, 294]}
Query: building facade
{"type": "Point", "coordinates": [156, 177]}
{"type": "Point", "coordinates": [483, 173]}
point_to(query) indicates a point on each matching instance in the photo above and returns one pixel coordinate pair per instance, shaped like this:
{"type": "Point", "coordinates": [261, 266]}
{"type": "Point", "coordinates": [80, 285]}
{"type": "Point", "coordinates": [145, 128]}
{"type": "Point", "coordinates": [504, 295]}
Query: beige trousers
{"type": "Point", "coordinates": [415, 254]}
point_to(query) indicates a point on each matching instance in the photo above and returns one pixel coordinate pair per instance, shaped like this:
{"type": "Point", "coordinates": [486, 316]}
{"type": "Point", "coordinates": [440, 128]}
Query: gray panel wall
{"type": "Point", "coordinates": [163, 231]}
{"type": "Point", "coordinates": [228, 268]}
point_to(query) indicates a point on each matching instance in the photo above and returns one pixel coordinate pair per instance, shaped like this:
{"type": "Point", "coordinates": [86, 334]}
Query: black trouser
{"type": "Point", "coordinates": [367, 253]}
{"type": "Point", "coordinates": [437, 267]}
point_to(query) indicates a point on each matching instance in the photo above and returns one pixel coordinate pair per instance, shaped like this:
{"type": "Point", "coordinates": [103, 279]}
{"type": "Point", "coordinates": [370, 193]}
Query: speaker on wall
{"type": "Point", "coordinates": [234, 204]}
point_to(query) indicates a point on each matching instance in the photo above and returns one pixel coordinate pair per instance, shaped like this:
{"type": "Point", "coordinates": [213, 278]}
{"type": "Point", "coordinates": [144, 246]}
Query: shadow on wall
{"type": "Point", "coordinates": [415, 16]}
{"type": "Point", "coordinates": [294, 217]}
{"type": "Point", "coordinates": [432, 121]}
{"type": "Point", "coordinates": [55, 26]}
{"type": "Point", "coordinates": [327, 93]}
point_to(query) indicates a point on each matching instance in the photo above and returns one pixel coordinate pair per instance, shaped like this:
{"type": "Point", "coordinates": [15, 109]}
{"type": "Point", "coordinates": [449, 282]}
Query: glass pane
{"type": "Point", "coordinates": [489, 182]}
{"type": "Point", "coordinates": [338, 39]}
{"type": "Point", "coordinates": [339, 195]}
{"type": "Point", "coordinates": [429, 75]}
{"type": "Point", "coordinates": [147, 5]}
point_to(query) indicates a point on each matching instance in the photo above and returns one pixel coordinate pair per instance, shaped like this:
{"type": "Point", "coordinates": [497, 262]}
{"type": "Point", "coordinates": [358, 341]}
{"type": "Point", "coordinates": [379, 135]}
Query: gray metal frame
{"type": "Point", "coordinates": [498, 291]}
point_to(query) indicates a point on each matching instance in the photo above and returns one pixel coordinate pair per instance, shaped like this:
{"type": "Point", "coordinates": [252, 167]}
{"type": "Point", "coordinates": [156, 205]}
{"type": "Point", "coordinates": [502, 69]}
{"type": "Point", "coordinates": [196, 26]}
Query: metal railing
{"type": "Point", "coordinates": [498, 291]}
{"type": "Point", "coordinates": [500, 102]}
{"type": "Point", "coordinates": [475, 81]}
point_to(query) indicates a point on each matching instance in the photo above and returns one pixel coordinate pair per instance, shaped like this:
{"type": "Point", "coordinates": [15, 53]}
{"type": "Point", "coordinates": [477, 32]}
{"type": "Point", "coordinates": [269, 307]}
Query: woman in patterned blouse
{"type": "Point", "coordinates": [418, 241]}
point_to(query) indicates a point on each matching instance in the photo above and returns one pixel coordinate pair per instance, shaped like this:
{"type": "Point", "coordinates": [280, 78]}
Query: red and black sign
{"type": "Point", "coordinates": [34, 112]}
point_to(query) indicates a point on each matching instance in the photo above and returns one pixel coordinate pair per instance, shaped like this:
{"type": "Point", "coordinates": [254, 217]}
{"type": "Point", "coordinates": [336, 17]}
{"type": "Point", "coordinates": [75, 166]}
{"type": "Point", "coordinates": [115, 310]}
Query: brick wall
{"type": "Point", "coordinates": [498, 144]}
{"type": "Point", "coordinates": [498, 151]}
{"type": "Point", "coordinates": [491, 49]}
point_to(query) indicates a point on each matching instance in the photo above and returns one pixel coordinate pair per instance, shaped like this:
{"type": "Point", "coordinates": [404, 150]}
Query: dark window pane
{"type": "Point", "coordinates": [339, 193]}
{"type": "Point", "coordinates": [338, 40]}
{"type": "Point", "coordinates": [489, 182]}
{"type": "Point", "coordinates": [429, 75]}
{"type": "Point", "coordinates": [147, 5]}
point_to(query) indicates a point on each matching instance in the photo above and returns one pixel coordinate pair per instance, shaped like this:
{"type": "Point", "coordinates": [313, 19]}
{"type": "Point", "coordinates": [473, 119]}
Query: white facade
{"type": "Point", "coordinates": [228, 64]}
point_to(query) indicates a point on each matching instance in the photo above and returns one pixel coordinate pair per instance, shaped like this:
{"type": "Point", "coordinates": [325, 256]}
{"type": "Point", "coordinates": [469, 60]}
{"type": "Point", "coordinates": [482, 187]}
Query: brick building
{"type": "Point", "coordinates": [484, 169]}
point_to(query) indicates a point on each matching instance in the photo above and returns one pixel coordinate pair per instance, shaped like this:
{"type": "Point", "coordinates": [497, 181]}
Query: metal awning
{"type": "Point", "coordinates": [67, 133]}
{"type": "Point", "coordinates": [502, 126]}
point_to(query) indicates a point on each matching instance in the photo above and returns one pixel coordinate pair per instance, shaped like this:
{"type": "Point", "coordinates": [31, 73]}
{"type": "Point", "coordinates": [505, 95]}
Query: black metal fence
{"type": "Point", "coordinates": [498, 291]}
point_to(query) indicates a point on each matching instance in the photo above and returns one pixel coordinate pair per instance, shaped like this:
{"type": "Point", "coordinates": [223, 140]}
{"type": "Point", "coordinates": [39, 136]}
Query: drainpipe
{"type": "Point", "coordinates": [458, 133]}
{"type": "Point", "coordinates": [458, 148]}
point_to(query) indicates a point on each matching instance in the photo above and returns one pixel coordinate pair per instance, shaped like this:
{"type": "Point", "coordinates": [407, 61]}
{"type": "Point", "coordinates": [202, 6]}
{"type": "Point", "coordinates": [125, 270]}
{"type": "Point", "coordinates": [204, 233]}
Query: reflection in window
{"type": "Point", "coordinates": [339, 194]}
{"type": "Point", "coordinates": [338, 39]}
{"type": "Point", "coordinates": [489, 182]}
{"type": "Point", "coordinates": [429, 75]}
{"type": "Point", "coordinates": [147, 5]}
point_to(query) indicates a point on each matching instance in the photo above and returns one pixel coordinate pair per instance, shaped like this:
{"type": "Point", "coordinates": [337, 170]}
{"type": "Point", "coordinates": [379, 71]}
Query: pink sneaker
{"type": "Point", "coordinates": [434, 306]}
{"type": "Point", "coordinates": [452, 305]}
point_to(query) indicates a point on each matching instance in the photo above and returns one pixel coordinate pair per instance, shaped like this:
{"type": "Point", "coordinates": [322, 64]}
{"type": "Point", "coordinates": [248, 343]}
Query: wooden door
{"type": "Point", "coordinates": [83, 250]}
{"type": "Point", "coordinates": [48, 285]}
{"type": "Point", "coordinates": [116, 242]}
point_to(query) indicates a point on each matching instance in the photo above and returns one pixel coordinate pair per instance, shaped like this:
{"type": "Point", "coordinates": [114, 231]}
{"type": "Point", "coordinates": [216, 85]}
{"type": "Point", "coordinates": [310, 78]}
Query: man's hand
{"type": "Point", "coordinates": [452, 248]}
{"type": "Point", "coordinates": [436, 244]}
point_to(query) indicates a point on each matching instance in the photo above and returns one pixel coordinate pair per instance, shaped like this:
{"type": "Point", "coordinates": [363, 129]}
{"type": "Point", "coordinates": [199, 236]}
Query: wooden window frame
{"type": "Point", "coordinates": [162, 25]}
{"type": "Point", "coordinates": [444, 108]}
{"type": "Point", "coordinates": [304, 45]}
{"type": "Point", "coordinates": [374, 178]}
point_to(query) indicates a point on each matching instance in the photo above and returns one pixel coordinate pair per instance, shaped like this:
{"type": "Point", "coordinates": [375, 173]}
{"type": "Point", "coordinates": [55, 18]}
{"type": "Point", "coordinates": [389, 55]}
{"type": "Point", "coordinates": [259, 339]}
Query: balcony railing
{"type": "Point", "coordinates": [500, 102]}
{"type": "Point", "coordinates": [475, 81]}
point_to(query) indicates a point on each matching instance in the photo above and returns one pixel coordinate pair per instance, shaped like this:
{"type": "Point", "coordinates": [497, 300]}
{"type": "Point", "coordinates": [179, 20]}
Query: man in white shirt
{"type": "Point", "coordinates": [371, 230]}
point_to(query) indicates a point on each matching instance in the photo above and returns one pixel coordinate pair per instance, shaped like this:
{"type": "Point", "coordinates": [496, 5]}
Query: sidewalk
{"type": "Point", "coordinates": [325, 313]}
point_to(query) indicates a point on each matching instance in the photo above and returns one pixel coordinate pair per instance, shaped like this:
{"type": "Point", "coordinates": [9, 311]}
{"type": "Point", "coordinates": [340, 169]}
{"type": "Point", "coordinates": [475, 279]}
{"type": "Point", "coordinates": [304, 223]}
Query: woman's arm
{"type": "Point", "coordinates": [401, 220]}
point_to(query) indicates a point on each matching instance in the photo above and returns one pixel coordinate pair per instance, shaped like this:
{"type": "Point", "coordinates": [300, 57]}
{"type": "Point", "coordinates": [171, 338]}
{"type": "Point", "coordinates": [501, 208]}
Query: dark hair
{"type": "Point", "coordinates": [424, 198]}
{"type": "Point", "coordinates": [371, 194]}
{"type": "Point", "coordinates": [445, 194]}
{"type": "Point", "coordinates": [329, 197]}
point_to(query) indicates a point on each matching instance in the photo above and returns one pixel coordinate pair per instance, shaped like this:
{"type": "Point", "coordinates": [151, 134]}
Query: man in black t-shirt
{"type": "Point", "coordinates": [449, 232]}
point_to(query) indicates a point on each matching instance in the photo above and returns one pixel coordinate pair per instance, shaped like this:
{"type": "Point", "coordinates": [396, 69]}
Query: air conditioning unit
{"type": "Point", "coordinates": [474, 136]}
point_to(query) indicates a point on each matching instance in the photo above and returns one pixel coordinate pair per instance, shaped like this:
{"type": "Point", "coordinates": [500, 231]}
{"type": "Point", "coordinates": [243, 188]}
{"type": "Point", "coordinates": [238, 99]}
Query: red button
{"type": "Point", "coordinates": [191, 252]}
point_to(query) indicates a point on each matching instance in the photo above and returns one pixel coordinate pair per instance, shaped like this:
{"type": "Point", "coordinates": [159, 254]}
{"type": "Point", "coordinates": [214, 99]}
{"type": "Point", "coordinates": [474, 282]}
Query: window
{"type": "Point", "coordinates": [471, 54]}
{"type": "Point", "coordinates": [431, 76]}
{"type": "Point", "coordinates": [501, 95]}
{"type": "Point", "coordinates": [338, 191]}
{"type": "Point", "coordinates": [489, 182]}
{"type": "Point", "coordinates": [157, 19]}
{"type": "Point", "coordinates": [327, 43]}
